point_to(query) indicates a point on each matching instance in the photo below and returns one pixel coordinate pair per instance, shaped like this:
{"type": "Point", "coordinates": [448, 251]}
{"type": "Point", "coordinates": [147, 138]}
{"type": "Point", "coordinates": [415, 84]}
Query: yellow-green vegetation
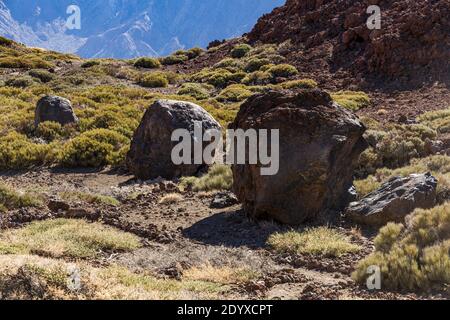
{"type": "Point", "coordinates": [219, 77]}
{"type": "Point", "coordinates": [148, 63]}
{"type": "Point", "coordinates": [321, 241]}
{"type": "Point", "coordinates": [282, 71]}
{"type": "Point", "coordinates": [352, 100]}
{"type": "Point", "coordinates": [415, 256]}
{"type": "Point", "coordinates": [174, 59]}
{"type": "Point", "coordinates": [219, 177]}
{"type": "Point", "coordinates": [235, 93]}
{"type": "Point", "coordinates": [222, 275]}
{"type": "Point", "coordinates": [41, 74]}
{"type": "Point", "coordinates": [91, 198]}
{"type": "Point", "coordinates": [154, 80]}
{"type": "Point", "coordinates": [299, 84]}
{"type": "Point", "coordinates": [438, 165]}
{"type": "Point", "coordinates": [12, 199]}
{"type": "Point", "coordinates": [199, 91]}
{"type": "Point", "coordinates": [240, 50]}
{"type": "Point", "coordinates": [52, 280]}
{"type": "Point", "coordinates": [90, 64]}
{"type": "Point", "coordinates": [438, 120]}
{"type": "Point", "coordinates": [66, 238]}
{"type": "Point", "coordinates": [20, 82]}
{"type": "Point", "coordinates": [95, 148]}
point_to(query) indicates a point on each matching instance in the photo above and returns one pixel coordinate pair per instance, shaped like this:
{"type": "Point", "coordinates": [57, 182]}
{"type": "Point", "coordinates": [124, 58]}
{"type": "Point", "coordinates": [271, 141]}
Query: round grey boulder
{"type": "Point", "coordinates": [55, 109]}
{"type": "Point", "coordinates": [150, 154]}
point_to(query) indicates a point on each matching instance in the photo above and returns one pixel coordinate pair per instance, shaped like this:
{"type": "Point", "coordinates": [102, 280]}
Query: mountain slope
{"type": "Point", "coordinates": [129, 28]}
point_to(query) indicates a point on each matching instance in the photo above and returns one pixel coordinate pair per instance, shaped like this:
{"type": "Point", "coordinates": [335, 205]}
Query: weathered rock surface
{"type": "Point", "coordinates": [55, 109]}
{"type": "Point", "coordinates": [223, 200]}
{"type": "Point", "coordinates": [151, 148]}
{"type": "Point", "coordinates": [320, 143]}
{"type": "Point", "coordinates": [395, 200]}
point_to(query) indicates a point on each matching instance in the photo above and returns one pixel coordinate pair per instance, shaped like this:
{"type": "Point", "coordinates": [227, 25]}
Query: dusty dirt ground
{"type": "Point", "coordinates": [178, 236]}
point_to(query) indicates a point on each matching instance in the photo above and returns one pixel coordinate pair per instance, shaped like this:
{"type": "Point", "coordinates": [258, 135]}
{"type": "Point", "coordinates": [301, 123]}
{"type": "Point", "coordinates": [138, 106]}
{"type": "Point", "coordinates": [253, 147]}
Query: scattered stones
{"type": "Point", "coordinates": [396, 199]}
{"type": "Point", "coordinates": [57, 206]}
{"type": "Point", "coordinates": [223, 200]}
{"type": "Point", "coordinates": [151, 148]}
{"type": "Point", "coordinates": [55, 109]}
{"type": "Point", "coordinates": [320, 143]}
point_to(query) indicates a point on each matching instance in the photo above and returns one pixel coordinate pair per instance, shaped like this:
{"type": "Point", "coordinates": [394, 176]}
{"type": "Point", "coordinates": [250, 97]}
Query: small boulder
{"type": "Point", "coordinates": [395, 200]}
{"type": "Point", "coordinates": [151, 149]}
{"type": "Point", "coordinates": [223, 200]}
{"type": "Point", "coordinates": [319, 147]}
{"type": "Point", "coordinates": [55, 109]}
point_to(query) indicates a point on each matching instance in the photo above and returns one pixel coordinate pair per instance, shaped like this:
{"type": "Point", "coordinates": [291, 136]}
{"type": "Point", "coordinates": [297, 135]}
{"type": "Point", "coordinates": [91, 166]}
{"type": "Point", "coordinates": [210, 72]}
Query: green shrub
{"type": "Point", "coordinates": [90, 64]}
{"type": "Point", "coordinates": [43, 75]}
{"type": "Point", "coordinates": [219, 78]}
{"type": "Point", "coordinates": [196, 90]}
{"type": "Point", "coordinates": [49, 130]}
{"type": "Point", "coordinates": [20, 82]}
{"type": "Point", "coordinates": [18, 152]}
{"type": "Point", "coordinates": [255, 64]}
{"type": "Point", "coordinates": [437, 120]}
{"type": "Point", "coordinates": [351, 100]}
{"type": "Point", "coordinates": [283, 71]}
{"type": "Point", "coordinates": [219, 177]}
{"type": "Point", "coordinates": [24, 62]}
{"type": "Point", "coordinates": [240, 50]}
{"type": "Point", "coordinates": [154, 80]}
{"type": "Point", "coordinates": [257, 78]}
{"type": "Point", "coordinates": [415, 256]}
{"type": "Point", "coordinates": [194, 53]}
{"type": "Point", "coordinates": [299, 84]}
{"type": "Point", "coordinates": [234, 93]}
{"type": "Point", "coordinates": [95, 148]}
{"type": "Point", "coordinates": [149, 63]}
{"type": "Point", "coordinates": [228, 63]}
{"type": "Point", "coordinates": [174, 59]}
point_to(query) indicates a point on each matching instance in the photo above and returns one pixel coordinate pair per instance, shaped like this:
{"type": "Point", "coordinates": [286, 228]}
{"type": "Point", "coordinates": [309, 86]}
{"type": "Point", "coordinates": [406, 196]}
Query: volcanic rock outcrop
{"type": "Point", "coordinates": [319, 145]}
{"type": "Point", "coordinates": [413, 43]}
{"type": "Point", "coordinates": [151, 149]}
{"type": "Point", "coordinates": [396, 199]}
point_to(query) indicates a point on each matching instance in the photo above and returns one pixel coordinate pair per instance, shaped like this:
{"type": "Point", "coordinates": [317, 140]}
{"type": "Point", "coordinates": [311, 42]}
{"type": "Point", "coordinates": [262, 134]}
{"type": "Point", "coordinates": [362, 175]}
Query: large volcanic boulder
{"type": "Point", "coordinates": [151, 148]}
{"type": "Point", "coordinates": [55, 109]}
{"type": "Point", "coordinates": [395, 200]}
{"type": "Point", "coordinates": [319, 145]}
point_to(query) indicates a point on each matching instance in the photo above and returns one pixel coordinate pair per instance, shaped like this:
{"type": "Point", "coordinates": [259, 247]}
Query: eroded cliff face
{"type": "Point", "coordinates": [413, 43]}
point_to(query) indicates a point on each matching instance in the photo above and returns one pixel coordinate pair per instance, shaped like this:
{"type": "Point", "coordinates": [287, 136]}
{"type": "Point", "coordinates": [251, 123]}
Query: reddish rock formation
{"type": "Point", "coordinates": [413, 44]}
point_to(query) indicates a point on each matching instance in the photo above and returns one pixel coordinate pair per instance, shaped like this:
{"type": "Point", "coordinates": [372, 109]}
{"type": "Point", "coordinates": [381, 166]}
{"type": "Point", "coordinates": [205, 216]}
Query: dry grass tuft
{"type": "Point", "coordinates": [171, 198]}
{"type": "Point", "coordinates": [66, 238]}
{"type": "Point", "coordinates": [321, 241]}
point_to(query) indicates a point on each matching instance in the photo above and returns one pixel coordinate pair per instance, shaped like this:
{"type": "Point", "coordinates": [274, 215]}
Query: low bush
{"type": "Point", "coordinates": [257, 78]}
{"type": "Point", "coordinates": [255, 64]}
{"type": "Point", "coordinates": [240, 50]}
{"type": "Point", "coordinates": [351, 100]}
{"type": "Point", "coordinates": [174, 59]}
{"type": "Point", "coordinates": [95, 148]}
{"type": "Point", "coordinates": [20, 82]}
{"type": "Point", "coordinates": [412, 257]}
{"type": "Point", "coordinates": [299, 84]}
{"type": "Point", "coordinates": [282, 71]}
{"type": "Point", "coordinates": [196, 90]}
{"type": "Point", "coordinates": [43, 75]}
{"type": "Point", "coordinates": [194, 52]}
{"type": "Point", "coordinates": [219, 78]}
{"type": "Point", "coordinates": [234, 93]}
{"type": "Point", "coordinates": [154, 80]}
{"type": "Point", "coordinates": [90, 64]}
{"type": "Point", "coordinates": [148, 63]}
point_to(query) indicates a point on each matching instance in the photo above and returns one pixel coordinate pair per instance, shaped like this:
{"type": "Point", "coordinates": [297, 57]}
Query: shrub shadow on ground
{"type": "Point", "coordinates": [231, 229]}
